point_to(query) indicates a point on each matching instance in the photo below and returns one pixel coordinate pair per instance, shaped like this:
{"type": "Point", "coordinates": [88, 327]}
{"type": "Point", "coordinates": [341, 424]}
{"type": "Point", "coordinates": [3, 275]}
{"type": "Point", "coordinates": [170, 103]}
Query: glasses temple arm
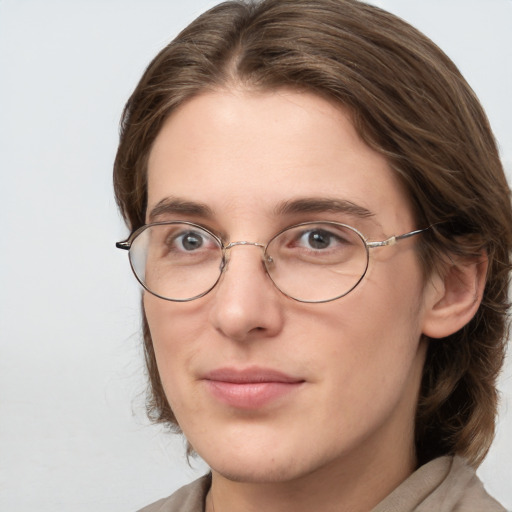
{"type": "Point", "coordinates": [394, 239]}
{"type": "Point", "coordinates": [124, 245]}
{"type": "Point", "coordinates": [412, 233]}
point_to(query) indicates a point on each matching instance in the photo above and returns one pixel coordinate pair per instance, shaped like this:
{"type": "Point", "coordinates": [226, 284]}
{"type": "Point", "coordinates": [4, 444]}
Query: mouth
{"type": "Point", "coordinates": [251, 388]}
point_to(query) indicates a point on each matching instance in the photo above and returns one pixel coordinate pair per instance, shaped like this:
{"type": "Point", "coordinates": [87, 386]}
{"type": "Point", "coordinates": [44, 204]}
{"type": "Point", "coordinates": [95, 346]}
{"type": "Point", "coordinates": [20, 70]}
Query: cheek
{"type": "Point", "coordinates": [171, 323]}
{"type": "Point", "coordinates": [379, 325]}
{"type": "Point", "coordinates": [174, 339]}
{"type": "Point", "coordinates": [173, 336]}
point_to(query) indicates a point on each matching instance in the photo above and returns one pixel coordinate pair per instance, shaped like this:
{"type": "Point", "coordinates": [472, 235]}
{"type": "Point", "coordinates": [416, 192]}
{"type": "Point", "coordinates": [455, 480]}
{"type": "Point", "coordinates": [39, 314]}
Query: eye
{"type": "Point", "coordinates": [319, 239]}
{"type": "Point", "coordinates": [317, 244]}
{"type": "Point", "coordinates": [190, 241]}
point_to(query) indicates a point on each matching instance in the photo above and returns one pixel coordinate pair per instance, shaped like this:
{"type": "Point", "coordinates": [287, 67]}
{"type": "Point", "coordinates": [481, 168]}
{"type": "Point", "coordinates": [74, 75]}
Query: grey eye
{"type": "Point", "coordinates": [191, 241]}
{"type": "Point", "coordinates": [319, 239]}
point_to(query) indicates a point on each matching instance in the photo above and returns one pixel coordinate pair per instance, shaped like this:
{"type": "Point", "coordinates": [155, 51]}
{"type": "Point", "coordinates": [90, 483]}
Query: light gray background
{"type": "Point", "coordinates": [72, 431]}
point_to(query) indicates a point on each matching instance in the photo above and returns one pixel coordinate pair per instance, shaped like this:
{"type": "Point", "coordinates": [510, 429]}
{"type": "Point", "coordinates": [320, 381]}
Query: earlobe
{"type": "Point", "coordinates": [454, 298]}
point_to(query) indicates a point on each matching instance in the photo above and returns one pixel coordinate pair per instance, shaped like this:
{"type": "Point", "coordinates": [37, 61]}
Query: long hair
{"type": "Point", "coordinates": [409, 102]}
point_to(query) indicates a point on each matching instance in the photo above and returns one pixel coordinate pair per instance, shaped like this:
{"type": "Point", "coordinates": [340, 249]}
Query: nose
{"type": "Point", "coordinates": [246, 303]}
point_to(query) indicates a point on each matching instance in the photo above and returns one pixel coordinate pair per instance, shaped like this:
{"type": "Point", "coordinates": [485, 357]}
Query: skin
{"type": "Point", "coordinates": [343, 438]}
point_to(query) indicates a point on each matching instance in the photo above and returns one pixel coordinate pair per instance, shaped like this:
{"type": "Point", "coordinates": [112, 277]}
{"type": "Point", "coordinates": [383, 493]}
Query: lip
{"type": "Point", "coordinates": [250, 388]}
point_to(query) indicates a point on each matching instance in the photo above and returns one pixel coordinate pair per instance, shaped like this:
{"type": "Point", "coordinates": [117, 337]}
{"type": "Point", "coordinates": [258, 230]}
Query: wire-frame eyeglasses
{"type": "Point", "coordinates": [308, 262]}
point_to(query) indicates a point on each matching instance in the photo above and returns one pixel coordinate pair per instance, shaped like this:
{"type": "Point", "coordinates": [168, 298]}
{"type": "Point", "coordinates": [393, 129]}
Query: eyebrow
{"type": "Point", "coordinates": [174, 205]}
{"type": "Point", "coordinates": [319, 205]}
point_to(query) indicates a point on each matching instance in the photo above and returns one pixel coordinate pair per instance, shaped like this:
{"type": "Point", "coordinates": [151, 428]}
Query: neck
{"type": "Point", "coordinates": [356, 487]}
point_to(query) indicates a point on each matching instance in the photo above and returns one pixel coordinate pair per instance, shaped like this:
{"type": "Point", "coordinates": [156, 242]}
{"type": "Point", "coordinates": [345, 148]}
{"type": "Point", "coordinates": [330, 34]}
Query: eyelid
{"type": "Point", "coordinates": [206, 240]}
{"type": "Point", "coordinates": [338, 233]}
{"type": "Point", "coordinates": [362, 224]}
{"type": "Point", "coordinates": [329, 226]}
{"type": "Point", "coordinates": [203, 225]}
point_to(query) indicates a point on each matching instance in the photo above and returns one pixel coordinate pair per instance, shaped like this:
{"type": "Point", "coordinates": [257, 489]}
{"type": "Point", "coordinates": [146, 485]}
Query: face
{"type": "Point", "coordinates": [266, 388]}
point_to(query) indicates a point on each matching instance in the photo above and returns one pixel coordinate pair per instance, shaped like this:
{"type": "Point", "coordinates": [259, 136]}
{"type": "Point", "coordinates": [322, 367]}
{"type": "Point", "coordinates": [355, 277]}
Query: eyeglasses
{"type": "Point", "coordinates": [308, 262]}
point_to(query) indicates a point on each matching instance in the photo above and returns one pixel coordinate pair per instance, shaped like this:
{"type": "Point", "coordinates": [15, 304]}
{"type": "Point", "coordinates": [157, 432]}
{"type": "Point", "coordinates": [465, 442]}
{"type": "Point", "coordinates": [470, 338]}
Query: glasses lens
{"type": "Point", "coordinates": [317, 262]}
{"type": "Point", "coordinates": [176, 261]}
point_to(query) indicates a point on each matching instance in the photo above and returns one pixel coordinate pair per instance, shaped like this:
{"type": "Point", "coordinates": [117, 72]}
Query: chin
{"type": "Point", "coordinates": [263, 464]}
{"type": "Point", "coordinates": [264, 472]}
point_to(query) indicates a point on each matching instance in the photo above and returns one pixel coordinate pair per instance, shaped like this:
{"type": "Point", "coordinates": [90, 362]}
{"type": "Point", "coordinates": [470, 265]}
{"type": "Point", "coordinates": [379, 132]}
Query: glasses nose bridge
{"type": "Point", "coordinates": [243, 242]}
{"type": "Point", "coordinates": [229, 246]}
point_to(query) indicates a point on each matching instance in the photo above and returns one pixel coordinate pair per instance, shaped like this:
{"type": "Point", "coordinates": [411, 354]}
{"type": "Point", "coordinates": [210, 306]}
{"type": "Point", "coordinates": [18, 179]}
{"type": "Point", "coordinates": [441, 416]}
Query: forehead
{"type": "Point", "coordinates": [247, 154]}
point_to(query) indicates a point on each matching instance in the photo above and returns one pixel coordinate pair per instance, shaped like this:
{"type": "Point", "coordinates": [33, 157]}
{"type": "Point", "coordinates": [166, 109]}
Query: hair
{"type": "Point", "coordinates": [409, 102]}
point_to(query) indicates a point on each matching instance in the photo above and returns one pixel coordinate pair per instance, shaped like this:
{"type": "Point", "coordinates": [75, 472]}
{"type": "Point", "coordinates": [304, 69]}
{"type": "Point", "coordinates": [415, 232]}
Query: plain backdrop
{"type": "Point", "coordinates": [73, 436]}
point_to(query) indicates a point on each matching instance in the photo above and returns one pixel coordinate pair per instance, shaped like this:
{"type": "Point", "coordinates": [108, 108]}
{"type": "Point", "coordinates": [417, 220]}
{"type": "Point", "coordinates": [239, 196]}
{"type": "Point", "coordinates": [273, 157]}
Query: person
{"type": "Point", "coordinates": [322, 227]}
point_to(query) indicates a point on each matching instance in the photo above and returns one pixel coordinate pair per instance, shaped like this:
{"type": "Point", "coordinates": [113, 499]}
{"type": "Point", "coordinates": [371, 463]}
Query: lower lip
{"type": "Point", "coordinates": [250, 395]}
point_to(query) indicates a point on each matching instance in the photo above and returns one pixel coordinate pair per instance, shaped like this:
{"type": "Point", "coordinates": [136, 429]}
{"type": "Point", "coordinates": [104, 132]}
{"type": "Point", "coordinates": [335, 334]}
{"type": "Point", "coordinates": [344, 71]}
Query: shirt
{"type": "Point", "coordinates": [446, 484]}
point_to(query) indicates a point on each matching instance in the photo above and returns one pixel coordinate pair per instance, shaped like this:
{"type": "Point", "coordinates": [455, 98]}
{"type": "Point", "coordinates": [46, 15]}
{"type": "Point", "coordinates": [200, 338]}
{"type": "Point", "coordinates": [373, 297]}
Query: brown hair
{"type": "Point", "coordinates": [408, 102]}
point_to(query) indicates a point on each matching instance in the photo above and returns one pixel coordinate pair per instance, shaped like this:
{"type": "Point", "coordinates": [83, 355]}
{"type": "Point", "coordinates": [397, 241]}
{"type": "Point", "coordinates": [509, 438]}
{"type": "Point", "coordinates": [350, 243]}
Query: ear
{"type": "Point", "coordinates": [452, 299]}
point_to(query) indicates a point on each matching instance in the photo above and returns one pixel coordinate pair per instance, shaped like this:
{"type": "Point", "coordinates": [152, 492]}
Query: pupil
{"type": "Point", "coordinates": [192, 241]}
{"type": "Point", "coordinates": [319, 239]}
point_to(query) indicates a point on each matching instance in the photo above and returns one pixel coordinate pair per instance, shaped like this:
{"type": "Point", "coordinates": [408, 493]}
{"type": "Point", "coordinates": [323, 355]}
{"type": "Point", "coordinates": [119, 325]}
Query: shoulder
{"type": "Point", "coordinates": [189, 498]}
{"type": "Point", "coordinates": [463, 490]}
{"type": "Point", "coordinates": [446, 484]}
